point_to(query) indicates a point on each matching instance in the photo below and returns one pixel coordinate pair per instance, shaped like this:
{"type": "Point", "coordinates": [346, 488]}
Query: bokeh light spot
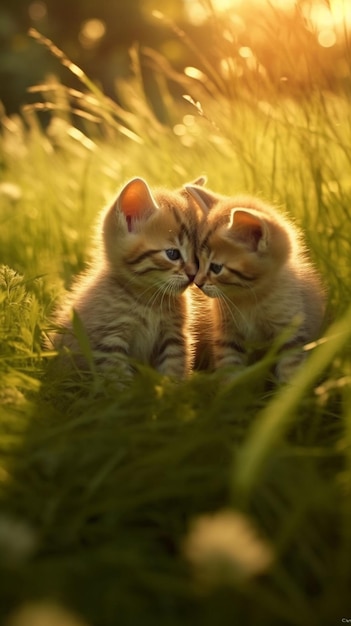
{"type": "Point", "coordinates": [37, 11]}
{"type": "Point", "coordinates": [92, 31]}
{"type": "Point", "coordinates": [194, 72]}
{"type": "Point", "coordinates": [327, 38]}
{"type": "Point", "coordinates": [196, 12]}
{"type": "Point", "coordinates": [179, 130]}
{"type": "Point", "coordinates": [188, 120]}
{"type": "Point", "coordinates": [245, 52]}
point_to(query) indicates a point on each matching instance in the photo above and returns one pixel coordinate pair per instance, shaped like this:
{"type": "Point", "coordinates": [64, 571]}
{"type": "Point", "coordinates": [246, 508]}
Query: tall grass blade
{"type": "Point", "coordinates": [274, 420]}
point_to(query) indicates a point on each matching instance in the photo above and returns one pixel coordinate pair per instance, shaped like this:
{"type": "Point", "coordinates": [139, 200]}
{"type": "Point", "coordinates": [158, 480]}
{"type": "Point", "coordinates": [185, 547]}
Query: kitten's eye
{"type": "Point", "coordinates": [173, 254]}
{"type": "Point", "coordinates": [216, 268]}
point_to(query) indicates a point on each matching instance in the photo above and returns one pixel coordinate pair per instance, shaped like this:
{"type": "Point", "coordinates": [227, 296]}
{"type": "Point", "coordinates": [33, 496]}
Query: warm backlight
{"type": "Point", "coordinates": [328, 19]}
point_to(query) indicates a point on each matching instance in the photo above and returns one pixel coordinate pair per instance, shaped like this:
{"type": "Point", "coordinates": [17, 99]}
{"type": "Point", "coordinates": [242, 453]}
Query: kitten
{"type": "Point", "coordinates": [253, 265]}
{"type": "Point", "coordinates": [131, 302]}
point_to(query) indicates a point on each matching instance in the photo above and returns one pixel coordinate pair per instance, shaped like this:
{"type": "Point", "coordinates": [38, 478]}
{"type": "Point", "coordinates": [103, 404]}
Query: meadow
{"type": "Point", "coordinates": [112, 502]}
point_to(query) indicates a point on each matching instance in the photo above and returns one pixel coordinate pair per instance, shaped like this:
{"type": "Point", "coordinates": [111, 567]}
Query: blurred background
{"type": "Point", "coordinates": [246, 35]}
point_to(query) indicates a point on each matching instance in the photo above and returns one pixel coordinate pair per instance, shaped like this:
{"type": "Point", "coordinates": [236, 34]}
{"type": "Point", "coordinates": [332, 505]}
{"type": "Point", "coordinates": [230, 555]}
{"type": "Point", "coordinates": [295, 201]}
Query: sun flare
{"type": "Point", "coordinates": [323, 17]}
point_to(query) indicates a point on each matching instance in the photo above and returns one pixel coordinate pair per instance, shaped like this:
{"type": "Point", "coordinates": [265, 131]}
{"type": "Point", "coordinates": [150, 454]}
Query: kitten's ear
{"type": "Point", "coordinates": [135, 201]}
{"type": "Point", "coordinates": [249, 228]}
{"type": "Point", "coordinates": [203, 197]}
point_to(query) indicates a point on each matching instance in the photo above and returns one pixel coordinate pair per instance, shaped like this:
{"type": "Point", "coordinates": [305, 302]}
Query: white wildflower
{"type": "Point", "coordinates": [226, 548]}
{"type": "Point", "coordinates": [11, 395]}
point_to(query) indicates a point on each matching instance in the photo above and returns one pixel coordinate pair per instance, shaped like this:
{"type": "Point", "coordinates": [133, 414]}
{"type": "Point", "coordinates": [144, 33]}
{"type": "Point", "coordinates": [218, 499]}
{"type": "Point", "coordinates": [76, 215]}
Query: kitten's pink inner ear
{"type": "Point", "coordinates": [247, 226]}
{"type": "Point", "coordinates": [136, 201]}
{"type": "Point", "coordinates": [129, 223]}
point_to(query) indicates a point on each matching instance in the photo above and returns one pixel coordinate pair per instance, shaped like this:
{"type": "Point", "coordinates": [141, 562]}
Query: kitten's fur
{"type": "Point", "coordinates": [131, 302]}
{"type": "Point", "coordinates": [253, 266]}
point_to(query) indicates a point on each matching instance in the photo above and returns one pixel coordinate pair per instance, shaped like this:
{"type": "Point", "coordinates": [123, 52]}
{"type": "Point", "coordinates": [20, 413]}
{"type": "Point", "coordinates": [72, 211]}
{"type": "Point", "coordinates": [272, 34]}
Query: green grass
{"type": "Point", "coordinates": [98, 488]}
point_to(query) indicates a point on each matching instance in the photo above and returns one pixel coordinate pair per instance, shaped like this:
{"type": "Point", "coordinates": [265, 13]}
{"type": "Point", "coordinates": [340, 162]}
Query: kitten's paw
{"type": "Point", "coordinates": [116, 375]}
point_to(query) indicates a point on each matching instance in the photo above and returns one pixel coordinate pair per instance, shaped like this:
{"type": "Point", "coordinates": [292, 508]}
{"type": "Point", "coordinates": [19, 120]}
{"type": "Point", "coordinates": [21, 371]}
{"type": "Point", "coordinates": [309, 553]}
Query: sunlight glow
{"type": "Point", "coordinates": [325, 19]}
{"type": "Point", "coordinates": [224, 5]}
{"type": "Point", "coordinates": [329, 22]}
{"type": "Point", "coordinates": [322, 17]}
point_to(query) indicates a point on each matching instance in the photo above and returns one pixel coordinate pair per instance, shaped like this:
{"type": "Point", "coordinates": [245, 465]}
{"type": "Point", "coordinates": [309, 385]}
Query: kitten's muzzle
{"type": "Point", "coordinates": [200, 279]}
{"type": "Point", "coordinates": [191, 277]}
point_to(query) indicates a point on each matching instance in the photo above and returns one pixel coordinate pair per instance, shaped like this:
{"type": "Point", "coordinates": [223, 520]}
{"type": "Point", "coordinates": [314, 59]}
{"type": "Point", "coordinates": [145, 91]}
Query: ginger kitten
{"type": "Point", "coordinates": [131, 302]}
{"type": "Point", "coordinates": [253, 266]}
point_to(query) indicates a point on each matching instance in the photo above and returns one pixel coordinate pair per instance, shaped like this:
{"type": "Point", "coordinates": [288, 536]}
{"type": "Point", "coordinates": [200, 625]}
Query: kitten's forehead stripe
{"type": "Point", "coordinates": [205, 248]}
{"type": "Point", "coordinates": [240, 274]}
{"type": "Point", "coordinates": [204, 245]}
{"type": "Point", "coordinates": [184, 230]}
{"type": "Point", "coordinates": [146, 270]}
{"type": "Point", "coordinates": [141, 257]}
{"type": "Point", "coordinates": [220, 221]}
{"type": "Point", "coordinates": [176, 215]}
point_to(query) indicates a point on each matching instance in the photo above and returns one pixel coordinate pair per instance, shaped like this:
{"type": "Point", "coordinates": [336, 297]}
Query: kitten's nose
{"type": "Point", "coordinates": [191, 277]}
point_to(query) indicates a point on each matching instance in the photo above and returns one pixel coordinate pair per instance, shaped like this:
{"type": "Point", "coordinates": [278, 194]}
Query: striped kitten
{"type": "Point", "coordinates": [131, 302]}
{"type": "Point", "coordinates": [253, 265]}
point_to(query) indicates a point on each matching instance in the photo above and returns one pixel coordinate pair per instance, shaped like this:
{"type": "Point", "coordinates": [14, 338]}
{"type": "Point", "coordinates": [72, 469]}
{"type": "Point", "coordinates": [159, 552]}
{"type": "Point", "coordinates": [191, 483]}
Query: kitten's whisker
{"type": "Point", "coordinates": [232, 307]}
{"type": "Point", "coordinates": [151, 287]}
{"type": "Point", "coordinates": [155, 295]}
{"type": "Point", "coordinates": [162, 292]}
{"type": "Point", "coordinates": [253, 292]}
{"type": "Point", "coordinates": [225, 309]}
